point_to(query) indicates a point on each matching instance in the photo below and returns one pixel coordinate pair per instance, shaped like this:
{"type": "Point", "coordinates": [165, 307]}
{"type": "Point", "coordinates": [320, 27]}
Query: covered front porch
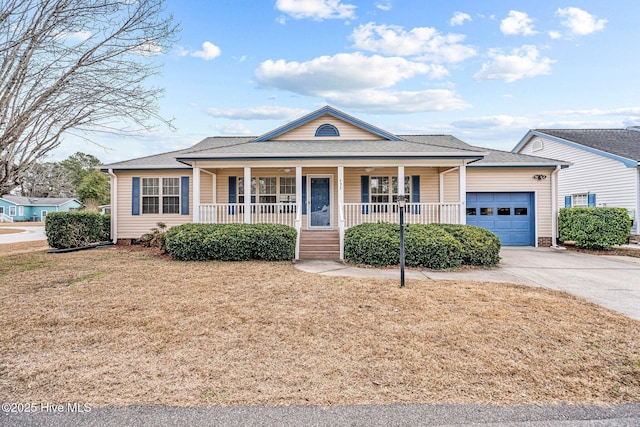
{"type": "Point", "coordinates": [315, 198]}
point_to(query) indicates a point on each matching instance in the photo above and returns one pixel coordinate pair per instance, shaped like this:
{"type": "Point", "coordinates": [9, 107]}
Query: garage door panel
{"type": "Point", "coordinates": [508, 215]}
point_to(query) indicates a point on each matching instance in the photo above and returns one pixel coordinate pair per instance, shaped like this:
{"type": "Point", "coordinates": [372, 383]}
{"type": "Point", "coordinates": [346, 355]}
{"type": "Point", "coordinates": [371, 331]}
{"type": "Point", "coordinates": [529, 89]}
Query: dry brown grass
{"type": "Point", "coordinates": [4, 230]}
{"type": "Point", "coordinates": [112, 326]}
{"type": "Point", "coordinates": [23, 247]}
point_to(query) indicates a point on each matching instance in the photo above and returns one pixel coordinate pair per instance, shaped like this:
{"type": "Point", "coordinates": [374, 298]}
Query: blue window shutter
{"type": "Point", "coordinates": [232, 194]}
{"type": "Point", "coordinates": [591, 200]}
{"type": "Point", "coordinates": [135, 196]}
{"type": "Point", "coordinates": [184, 195]}
{"type": "Point", "coordinates": [415, 193]}
{"type": "Point", "coordinates": [304, 195]}
{"type": "Point", "coordinates": [364, 193]}
{"type": "Point", "coordinates": [567, 201]}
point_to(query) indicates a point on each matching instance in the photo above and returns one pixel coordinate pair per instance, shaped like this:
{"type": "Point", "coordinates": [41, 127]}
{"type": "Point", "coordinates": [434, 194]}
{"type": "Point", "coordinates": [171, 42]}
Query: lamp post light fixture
{"type": "Point", "coordinates": [402, 203]}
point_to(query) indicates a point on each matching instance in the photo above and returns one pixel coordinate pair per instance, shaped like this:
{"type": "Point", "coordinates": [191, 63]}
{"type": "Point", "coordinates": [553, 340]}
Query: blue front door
{"type": "Point", "coordinates": [510, 216]}
{"type": "Point", "coordinates": [320, 209]}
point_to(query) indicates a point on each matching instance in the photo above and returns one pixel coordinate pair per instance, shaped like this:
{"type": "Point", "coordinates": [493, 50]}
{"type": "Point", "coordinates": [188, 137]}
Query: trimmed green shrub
{"type": "Point", "coordinates": [106, 228]}
{"type": "Point", "coordinates": [231, 242]}
{"type": "Point", "coordinates": [74, 229]}
{"type": "Point", "coordinates": [373, 244]}
{"type": "Point", "coordinates": [379, 245]}
{"type": "Point", "coordinates": [479, 245]}
{"type": "Point", "coordinates": [594, 228]}
{"type": "Point", "coordinates": [430, 246]}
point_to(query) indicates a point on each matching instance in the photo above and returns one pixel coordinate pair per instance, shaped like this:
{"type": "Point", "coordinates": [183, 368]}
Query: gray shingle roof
{"type": "Point", "coordinates": [436, 145]}
{"type": "Point", "coordinates": [507, 158]}
{"type": "Point", "coordinates": [37, 201]}
{"type": "Point", "coordinates": [410, 145]}
{"type": "Point", "coordinates": [621, 142]}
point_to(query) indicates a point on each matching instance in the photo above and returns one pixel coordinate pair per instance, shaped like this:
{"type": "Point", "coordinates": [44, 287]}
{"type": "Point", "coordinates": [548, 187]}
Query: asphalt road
{"type": "Point", "coordinates": [563, 415]}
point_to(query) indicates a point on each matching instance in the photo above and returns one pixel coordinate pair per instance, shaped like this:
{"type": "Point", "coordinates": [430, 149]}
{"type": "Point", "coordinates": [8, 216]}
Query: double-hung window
{"type": "Point", "coordinates": [287, 195]}
{"type": "Point", "coordinates": [581, 200]}
{"type": "Point", "coordinates": [12, 211]}
{"type": "Point", "coordinates": [158, 192]}
{"type": "Point", "coordinates": [382, 193]}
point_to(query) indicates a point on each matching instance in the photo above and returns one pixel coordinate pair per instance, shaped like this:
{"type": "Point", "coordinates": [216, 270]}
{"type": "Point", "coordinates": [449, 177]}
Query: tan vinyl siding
{"type": "Point", "coordinates": [308, 131]}
{"type": "Point", "coordinates": [512, 180]}
{"type": "Point", "coordinates": [133, 226]}
{"type": "Point", "coordinates": [452, 186]}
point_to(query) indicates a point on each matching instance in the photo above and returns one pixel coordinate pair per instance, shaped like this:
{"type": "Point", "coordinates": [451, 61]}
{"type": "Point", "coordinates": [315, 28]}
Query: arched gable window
{"type": "Point", "coordinates": [537, 145]}
{"type": "Point", "coordinates": [327, 130]}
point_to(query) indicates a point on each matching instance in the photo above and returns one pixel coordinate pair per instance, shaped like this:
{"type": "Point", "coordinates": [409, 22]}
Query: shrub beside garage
{"type": "Point", "coordinates": [594, 228]}
{"type": "Point", "coordinates": [435, 246]}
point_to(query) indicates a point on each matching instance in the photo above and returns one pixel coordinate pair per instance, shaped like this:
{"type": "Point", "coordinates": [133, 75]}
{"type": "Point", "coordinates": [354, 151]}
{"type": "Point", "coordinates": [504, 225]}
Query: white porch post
{"type": "Point", "coordinates": [247, 195]}
{"type": "Point", "coordinates": [341, 222]}
{"type": "Point", "coordinates": [214, 197]}
{"type": "Point", "coordinates": [196, 194]}
{"type": "Point", "coordinates": [400, 181]}
{"type": "Point", "coordinates": [462, 176]}
{"type": "Point", "coordinates": [298, 223]}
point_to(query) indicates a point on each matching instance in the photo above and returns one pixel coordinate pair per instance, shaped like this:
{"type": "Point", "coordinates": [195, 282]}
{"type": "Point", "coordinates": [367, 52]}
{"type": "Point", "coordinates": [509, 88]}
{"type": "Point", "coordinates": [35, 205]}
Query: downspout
{"type": "Point", "coordinates": [114, 206]}
{"type": "Point", "coordinates": [554, 207]}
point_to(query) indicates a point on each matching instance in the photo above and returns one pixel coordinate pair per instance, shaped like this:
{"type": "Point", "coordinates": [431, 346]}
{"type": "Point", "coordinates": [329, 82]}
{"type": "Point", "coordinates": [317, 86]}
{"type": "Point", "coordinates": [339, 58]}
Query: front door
{"type": "Point", "coordinates": [320, 201]}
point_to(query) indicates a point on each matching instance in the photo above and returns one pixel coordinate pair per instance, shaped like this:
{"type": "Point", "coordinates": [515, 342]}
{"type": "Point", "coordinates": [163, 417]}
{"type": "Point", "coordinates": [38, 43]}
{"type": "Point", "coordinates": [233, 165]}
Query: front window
{"type": "Point", "coordinates": [158, 192]}
{"type": "Point", "coordinates": [382, 192]}
{"type": "Point", "coordinates": [12, 211]}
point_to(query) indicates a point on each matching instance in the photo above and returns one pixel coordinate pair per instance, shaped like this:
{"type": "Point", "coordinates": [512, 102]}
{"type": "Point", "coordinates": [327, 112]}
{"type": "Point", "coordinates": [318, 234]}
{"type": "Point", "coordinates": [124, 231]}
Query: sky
{"type": "Point", "coordinates": [483, 71]}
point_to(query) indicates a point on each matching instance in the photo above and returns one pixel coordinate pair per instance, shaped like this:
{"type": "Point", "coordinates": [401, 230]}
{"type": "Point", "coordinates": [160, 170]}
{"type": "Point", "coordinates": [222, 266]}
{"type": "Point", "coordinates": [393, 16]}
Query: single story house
{"type": "Point", "coordinates": [17, 208]}
{"type": "Point", "coordinates": [605, 165]}
{"type": "Point", "coordinates": [328, 171]}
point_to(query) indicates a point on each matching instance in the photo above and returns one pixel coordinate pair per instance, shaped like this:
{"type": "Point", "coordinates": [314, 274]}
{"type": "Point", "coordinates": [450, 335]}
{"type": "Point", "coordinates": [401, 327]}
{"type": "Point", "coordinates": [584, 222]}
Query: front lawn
{"type": "Point", "coordinates": [112, 326]}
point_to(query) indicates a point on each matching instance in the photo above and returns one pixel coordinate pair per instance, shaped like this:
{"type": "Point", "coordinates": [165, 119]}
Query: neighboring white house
{"type": "Point", "coordinates": [604, 165]}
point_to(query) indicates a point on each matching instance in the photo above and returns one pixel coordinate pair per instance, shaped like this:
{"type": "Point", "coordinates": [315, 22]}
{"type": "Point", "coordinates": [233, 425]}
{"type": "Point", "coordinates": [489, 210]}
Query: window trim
{"type": "Point", "coordinates": [13, 209]}
{"type": "Point", "coordinates": [407, 194]}
{"type": "Point", "coordinates": [256, 193]}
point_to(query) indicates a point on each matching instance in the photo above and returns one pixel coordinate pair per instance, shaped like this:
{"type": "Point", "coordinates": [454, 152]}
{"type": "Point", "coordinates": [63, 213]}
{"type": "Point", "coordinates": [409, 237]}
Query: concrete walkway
{"type": "Point", "coordinates": [608, 280]}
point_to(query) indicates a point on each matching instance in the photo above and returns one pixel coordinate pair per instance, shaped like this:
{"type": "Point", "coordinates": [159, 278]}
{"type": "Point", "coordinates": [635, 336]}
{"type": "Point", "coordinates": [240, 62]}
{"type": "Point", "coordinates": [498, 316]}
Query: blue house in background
{"type": "Point", "coordinates": [16, 208]}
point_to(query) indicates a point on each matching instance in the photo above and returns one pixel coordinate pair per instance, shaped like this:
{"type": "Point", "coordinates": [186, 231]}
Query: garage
{"type": "Point", "coordinates": [511, 216]}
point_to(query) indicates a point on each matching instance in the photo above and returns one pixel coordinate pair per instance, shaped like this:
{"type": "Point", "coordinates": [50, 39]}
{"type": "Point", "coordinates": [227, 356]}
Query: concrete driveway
{"type": "Point", "coordinates": [28, 234]}
{"type": "Point", "coordinates": [610, 281]}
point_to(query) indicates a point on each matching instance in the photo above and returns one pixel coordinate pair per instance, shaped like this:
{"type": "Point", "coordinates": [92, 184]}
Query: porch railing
{"type": "Point", "coordinates": [232, 213]}
{"type": "Point", "coordinates": [415, 213]}
{"type": "Point", "coordinates": [5, 218]}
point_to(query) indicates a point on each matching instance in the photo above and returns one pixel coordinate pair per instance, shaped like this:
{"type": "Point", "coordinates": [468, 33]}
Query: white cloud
{"type": "Point", "coordinates": [77, 36]}
{"type": "Point", "coordinates": [520, 63]}
{"type": "Point", "coordinates": [555, 34]}
{"type": "Point", "coordinates": [580, 22]}
{"type": "Point", "coordinates": [425, 42]}
{"type": "Point", "coordinates": [594, 112]}
{"type": "Point", "coordinates": [359, 82]}
{"type": "Point", "coordinates": [209, 51]}
{"type": "Point", "coordinates": [341, 72]}
{"type": "Point", "coordinates": [459, 18]}
{"type": "Point", "coordinates": [501, 121]}
{"type": "Point", "coordinates": [517, 23]}
{"type": "Point", "coordinates": [264, 112]}
{"type": "Point", "coordinates": [395, 102]}
{"type": "Point", "coordinates": [384, 5]}
{"type": "Point", "coordinates": [149, 48]}
{"type": "Point", "coordinates": [316, 9]}
{"type": "Point", "coordinates": [232, 129]}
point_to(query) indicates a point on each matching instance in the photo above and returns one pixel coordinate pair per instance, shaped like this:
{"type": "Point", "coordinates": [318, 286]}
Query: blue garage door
{"type": "Point", "coordinates": [509, 215]}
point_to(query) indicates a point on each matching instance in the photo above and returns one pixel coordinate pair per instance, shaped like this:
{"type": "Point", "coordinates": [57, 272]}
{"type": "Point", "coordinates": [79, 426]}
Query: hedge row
{"type": "Point", "coordinates": [594, 228]}
{"type": "Point", "coordinates": [75, 229]}
{"type": "Point", "coordinates": [435, 246]}
{"type": "Point", "coordinates": [231, 242]}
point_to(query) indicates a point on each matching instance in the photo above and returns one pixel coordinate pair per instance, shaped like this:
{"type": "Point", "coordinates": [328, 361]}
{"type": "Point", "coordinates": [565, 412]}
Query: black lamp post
{"type": "Point", "coordinates": [401, 205]}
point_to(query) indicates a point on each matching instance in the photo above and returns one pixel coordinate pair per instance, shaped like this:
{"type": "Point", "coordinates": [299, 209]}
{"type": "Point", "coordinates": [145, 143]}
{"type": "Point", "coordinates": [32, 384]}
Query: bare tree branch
{"type": "Point", "coordinates": [76, 65]}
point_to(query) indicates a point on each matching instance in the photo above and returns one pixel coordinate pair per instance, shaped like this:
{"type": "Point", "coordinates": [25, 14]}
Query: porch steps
{"type": "Point", "coordinates": [319, 245]}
